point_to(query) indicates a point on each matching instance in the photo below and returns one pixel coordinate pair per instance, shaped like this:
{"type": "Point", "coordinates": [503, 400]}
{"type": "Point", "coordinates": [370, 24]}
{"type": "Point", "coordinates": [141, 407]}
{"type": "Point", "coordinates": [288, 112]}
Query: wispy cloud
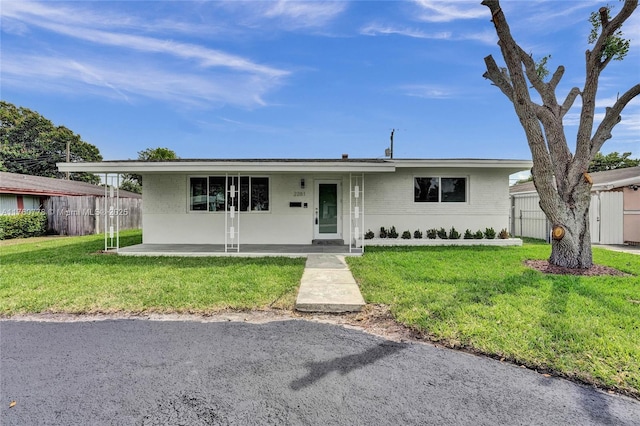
{"type": "Point", "coordinates": [304, 13]}
{"type": "Point", "coordinates": [429, 91]}
{"type": "Point", "coordinates": [95, 76]}
{"type": "Point", "coordinates": [287, 15]}
{"type": "Point", "coordinates": [447, 11]}
{"type": "Point", "coordinates": [135, 65]}
{"type": "Point", "coordinates": [376, 29]}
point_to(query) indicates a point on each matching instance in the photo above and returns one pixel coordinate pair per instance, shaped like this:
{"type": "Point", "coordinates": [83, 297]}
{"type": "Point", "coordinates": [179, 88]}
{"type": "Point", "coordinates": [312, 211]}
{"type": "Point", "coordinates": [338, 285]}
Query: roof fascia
{"type": "Point", "coordinates": [223, 167]}
{"type": "Point", "coordinates": [465, 163]}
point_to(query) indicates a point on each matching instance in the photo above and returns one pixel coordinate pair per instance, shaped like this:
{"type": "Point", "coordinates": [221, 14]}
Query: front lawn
{"type": "Point", "coordinates": [68, 275]}
{"type": "Point", "coordinates": [484, 299]}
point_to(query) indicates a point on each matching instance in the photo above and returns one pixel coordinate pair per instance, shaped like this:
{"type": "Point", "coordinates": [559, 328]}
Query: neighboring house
{"type": "Point", "coordinates": [71, 206]}
{"type": "Point", "coordinates": [614, 214]}
{"type": "Point", "coordinates": [313, 201]}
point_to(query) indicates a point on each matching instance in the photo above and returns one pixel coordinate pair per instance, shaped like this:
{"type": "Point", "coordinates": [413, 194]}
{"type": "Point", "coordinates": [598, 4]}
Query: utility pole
{"type": "Point", "coordinates": [68, 156]}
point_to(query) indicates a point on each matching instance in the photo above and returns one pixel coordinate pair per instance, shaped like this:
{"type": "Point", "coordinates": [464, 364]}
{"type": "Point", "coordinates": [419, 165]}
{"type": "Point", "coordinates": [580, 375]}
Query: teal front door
{"type": "Point", "coordinates": [327, 210]}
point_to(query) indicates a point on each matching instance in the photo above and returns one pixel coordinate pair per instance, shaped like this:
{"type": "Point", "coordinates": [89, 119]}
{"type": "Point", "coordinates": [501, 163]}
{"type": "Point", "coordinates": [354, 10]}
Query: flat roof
{"type": "Point", "coordinates": [356, 165]}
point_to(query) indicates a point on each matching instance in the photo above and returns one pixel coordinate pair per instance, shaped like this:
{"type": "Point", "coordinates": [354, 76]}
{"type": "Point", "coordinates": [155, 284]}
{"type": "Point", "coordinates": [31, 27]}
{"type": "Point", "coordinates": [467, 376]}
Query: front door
{"type": "Point", "coordinates": [327, 210]}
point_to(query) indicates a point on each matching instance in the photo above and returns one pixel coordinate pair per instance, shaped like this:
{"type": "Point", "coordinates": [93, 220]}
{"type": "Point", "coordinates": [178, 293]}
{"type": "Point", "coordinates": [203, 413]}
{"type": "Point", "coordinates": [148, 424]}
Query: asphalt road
{"type": "Point", "coordinates": [140, 372]}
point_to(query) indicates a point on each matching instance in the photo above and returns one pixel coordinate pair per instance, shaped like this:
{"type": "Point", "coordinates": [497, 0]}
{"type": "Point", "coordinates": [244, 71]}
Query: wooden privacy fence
{"type": "Point", "coordinates": [84, 215]}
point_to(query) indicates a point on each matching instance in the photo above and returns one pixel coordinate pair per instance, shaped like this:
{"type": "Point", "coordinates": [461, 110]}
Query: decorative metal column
{"type": "Point", "coordinates": [232, 214]}
{"type": "Point", "coordinates": [112, 212]}
{"type": "Point", "coordinates": [356, 212]}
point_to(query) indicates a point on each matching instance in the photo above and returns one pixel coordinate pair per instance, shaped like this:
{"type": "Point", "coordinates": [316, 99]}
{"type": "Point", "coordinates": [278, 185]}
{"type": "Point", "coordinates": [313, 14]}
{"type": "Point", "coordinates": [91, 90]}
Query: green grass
{"type": "Point", "coordinates": [68, 275]}
{"type": "Point", "coordinates": [483, 299]}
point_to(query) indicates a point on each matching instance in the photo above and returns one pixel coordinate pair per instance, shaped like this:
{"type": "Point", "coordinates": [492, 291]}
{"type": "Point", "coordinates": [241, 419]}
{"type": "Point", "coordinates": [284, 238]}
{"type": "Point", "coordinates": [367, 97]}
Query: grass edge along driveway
{"type": "Point", "coordinates": [485, 300]}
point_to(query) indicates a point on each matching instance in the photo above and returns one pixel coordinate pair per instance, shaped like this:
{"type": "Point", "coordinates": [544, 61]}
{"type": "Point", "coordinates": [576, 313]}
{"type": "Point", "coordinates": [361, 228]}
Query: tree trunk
{"type": "Point", "coordinates": [573, 248]}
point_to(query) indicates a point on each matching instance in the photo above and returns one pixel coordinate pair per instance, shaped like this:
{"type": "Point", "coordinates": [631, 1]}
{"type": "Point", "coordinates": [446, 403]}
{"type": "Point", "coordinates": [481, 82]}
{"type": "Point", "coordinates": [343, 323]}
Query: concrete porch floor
{"type": "Point", "coordinates": [246, 250]}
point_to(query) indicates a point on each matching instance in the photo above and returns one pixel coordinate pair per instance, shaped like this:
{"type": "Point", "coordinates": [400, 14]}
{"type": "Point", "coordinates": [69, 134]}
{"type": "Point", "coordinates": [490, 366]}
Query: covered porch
{"type": "Point", "coordinates": [245, 250]}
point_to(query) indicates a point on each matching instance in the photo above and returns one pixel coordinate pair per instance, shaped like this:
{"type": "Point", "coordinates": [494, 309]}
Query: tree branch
{"type": "Point", "coordinates": [556, 77]}
{"type": "Point", "coordinates": [611, 118]}
{"type": "Point", "coordinates": [570, 99]}
{"type": "Point", "coordinates": [608, 30]}
{"type": "Point", "coordinates": [498, 77]}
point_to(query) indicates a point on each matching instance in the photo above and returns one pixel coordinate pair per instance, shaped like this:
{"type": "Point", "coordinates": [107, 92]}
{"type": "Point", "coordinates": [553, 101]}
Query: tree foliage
{"type": "Point", "coordinates": [31, 144]}
{"type": "Point", "coordinates": [612, 161]}
{"type": "Point", "coordinates": [133, 182]}
{"type": "Point", "coordinates": [559, 173]}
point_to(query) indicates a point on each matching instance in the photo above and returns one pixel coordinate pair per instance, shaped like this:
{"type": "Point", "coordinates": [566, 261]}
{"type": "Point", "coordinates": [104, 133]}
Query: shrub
{"type": "Point", "coordinates": [478, 235]}
{"type": "Point", "coordinates": [23, 225]}
{"type": "Point", "coordinates": [442, 234]}
{"type": "Point", "coordinates": [489, 233]}
{"type": "Point", "coordinates": [406, 235]}
{"type": "Point", "coordinates": [393, 233]}
{"type": "Point", "coordinates": [432, 233]}
{"type": "Point", "coordinates": [453, 234]}
{"type": "Point", "coordinates": [504, 234]}
{"type": "Point", "coordinates": [383, 232]}
{"type": "Point", "coordinates": [417, 234]}
{"type": "Point", "coordinates": [468, 235]}
{"type": "Point", "coordinates": [369, 235]}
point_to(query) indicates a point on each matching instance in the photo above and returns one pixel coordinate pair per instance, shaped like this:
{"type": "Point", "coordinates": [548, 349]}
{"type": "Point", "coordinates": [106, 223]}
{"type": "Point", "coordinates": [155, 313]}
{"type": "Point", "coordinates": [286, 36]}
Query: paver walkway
{"type": "Point", "coordinates": [327, 285]}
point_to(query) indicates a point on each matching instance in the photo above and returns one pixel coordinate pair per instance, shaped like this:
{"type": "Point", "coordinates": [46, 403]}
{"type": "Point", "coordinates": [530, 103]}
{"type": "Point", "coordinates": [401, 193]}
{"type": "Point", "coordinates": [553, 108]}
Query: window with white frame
{"type": "Point", "coordinates": [208, 193]}
{"type": "Point", "coordinates": [440, 189]}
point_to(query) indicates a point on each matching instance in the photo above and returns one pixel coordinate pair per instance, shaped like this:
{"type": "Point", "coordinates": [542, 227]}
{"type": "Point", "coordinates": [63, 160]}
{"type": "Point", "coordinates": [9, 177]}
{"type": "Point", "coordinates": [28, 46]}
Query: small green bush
{"type": "Point", "coordinates": [442, 233]}
{"type": "Point", "coordinates": [23, 225]}
{"type": "Point", "coordinates": [453, 234]}
{"type": "Point", "coordinates": [393, 233]}
{"type": "Point", "coordinates": [383, 232]}
{"type": "Point", "coordinates": [478, 235]}
{"type": "Point", "coordinates": [369, 235]}
{"type": "Point", "coordinates": [432, 233]}
{"type": "Point", "coordinates": [468, 235]}
{"type": "Point", "coordinates": [406, 235]}
{"type": "Point", "coordinates": [417, 234]}
{"type": "Point", "coordinates": [489, 233]}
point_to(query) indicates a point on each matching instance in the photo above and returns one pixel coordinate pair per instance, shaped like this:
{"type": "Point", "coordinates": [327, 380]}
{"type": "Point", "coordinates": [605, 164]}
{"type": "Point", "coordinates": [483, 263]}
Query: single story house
{"type": "Point", "coordinates": [305, 201]}
{"type": "Point", "coordinates": [614, 213]}
{"type": "Point", "coordinates": [71, 206]}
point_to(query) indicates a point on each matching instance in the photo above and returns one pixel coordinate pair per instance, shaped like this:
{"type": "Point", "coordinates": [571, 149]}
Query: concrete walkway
{"type": "Point", "coordinates": [328, 286]}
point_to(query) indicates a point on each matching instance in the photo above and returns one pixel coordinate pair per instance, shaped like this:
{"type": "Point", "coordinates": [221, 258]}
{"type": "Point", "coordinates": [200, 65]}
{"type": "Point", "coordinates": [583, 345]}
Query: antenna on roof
{"type": "Point", "coordinates": [389, 151]}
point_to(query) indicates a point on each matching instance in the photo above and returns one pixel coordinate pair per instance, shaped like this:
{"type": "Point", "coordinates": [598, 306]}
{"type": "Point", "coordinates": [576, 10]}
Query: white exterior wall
{"type": "Point", "coordinates": [389, 201]}
{"type": "Point", "coordinates": [167, 219]}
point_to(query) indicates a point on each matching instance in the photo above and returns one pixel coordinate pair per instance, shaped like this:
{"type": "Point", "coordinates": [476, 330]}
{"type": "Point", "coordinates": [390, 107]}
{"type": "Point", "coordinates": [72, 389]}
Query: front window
{"type": "Point", "coordinates": [440, 190]}
{"type": "Point", "coordinates": [208, 193]}
{"type": "Point", "coordinates": [198, 194]}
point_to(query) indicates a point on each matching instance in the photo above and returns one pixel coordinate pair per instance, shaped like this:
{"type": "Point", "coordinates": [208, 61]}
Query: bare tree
{"type": "Point", "coordinates": [560, 175]}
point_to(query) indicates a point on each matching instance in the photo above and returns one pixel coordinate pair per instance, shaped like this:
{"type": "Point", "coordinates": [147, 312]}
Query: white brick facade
{"type": "Point", "coordinates": [388, 201]}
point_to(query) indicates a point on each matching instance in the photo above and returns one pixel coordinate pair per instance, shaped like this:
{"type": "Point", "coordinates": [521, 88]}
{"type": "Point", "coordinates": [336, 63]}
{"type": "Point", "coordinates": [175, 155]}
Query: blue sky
{"type": "Point", "coordinates": [286, 79]}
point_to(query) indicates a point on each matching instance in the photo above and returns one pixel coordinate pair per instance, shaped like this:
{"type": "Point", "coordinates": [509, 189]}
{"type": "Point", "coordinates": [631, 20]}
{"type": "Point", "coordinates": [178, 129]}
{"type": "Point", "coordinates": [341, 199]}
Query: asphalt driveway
{"type": "Point", "coordinates": [294, 372]}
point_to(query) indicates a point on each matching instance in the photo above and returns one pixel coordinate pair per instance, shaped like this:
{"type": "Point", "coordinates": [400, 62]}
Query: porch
{"type": "Point", "coordinates": [245, 250]}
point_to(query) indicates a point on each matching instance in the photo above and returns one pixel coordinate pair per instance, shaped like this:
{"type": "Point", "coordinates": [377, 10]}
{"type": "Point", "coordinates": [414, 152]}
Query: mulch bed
{"type": "Point", "coordinates": [595, 270]}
